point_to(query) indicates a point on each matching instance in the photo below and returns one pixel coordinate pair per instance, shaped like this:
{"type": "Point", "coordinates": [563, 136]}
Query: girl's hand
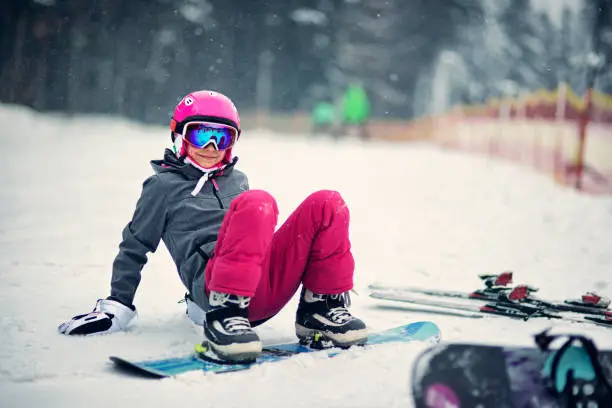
{"type": "Point", "coordinates": [108, 316]}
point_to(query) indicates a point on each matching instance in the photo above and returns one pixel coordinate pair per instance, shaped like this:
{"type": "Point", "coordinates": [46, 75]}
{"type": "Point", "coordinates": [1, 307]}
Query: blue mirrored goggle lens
{"type": "Point", "coordinates": [199, 135]}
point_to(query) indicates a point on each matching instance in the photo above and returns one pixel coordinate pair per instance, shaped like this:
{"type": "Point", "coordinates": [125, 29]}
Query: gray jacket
{"type": "Point", "coordinates": [185, 214]}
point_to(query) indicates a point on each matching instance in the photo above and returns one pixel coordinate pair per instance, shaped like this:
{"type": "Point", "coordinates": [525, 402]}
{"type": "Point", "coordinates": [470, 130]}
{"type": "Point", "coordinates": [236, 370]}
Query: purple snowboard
{"type": "Point", "coordinates": [469, 375]}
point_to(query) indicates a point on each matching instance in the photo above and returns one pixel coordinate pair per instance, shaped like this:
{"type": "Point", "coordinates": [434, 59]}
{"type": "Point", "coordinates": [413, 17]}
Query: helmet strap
{"type": "Point", "coordinates": [178, 146]}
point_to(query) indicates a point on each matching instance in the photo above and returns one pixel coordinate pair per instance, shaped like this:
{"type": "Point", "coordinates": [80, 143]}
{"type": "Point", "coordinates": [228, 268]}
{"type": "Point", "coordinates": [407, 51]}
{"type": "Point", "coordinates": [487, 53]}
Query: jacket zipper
{"type": "Point", "coordinates": [216, 193]}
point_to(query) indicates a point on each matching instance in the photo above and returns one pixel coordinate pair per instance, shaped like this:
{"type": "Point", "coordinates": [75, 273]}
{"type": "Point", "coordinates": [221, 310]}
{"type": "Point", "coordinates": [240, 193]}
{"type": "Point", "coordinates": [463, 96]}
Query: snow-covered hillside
{"type": "Point", "coordinates": [420, 216]}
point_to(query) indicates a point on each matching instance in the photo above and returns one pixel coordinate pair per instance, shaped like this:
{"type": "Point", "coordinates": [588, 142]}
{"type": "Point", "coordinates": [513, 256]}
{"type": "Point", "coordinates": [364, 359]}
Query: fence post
{"type": "Point", "coordinates": [584, 121]}
{"type": "Point", "coordinates": [558, 154]}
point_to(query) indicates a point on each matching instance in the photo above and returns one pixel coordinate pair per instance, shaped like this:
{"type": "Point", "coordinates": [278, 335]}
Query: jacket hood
{"type": "Point", "coordinates": [173, 164]}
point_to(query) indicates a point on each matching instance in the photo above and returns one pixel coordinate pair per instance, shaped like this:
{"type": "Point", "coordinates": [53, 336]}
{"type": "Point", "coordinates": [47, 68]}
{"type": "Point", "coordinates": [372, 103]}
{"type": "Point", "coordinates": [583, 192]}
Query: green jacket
{"type": "Point", "coordinates": [356, 107]}
{"type": "Point", "coordinates": [323, 113]}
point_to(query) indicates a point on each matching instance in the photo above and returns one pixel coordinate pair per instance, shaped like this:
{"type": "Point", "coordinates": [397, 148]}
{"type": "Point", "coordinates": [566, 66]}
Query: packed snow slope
{"type": "Point", "coordinates": [420, 216]}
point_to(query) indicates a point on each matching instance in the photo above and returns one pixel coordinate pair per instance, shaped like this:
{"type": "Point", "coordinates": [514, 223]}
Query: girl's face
{"type": "Point", "coordinates": [207, 157]}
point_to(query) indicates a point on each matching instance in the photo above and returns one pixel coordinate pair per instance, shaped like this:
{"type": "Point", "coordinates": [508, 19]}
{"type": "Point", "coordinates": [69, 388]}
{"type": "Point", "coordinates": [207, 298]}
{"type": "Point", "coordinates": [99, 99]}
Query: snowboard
{"type": "Point", "coordinates": [425, 331]}
{"type": "Point", "coordinates": [469, 375]}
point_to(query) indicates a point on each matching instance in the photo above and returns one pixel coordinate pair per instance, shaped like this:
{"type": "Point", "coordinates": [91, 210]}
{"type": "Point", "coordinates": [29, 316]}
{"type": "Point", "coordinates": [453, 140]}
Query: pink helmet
{"type": "Point", "coordinates": [205, 105]}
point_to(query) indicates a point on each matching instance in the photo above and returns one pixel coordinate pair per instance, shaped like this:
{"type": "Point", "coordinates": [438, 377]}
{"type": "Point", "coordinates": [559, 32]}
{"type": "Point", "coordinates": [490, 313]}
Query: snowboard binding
{"type": "Point", "coordinates": [205, 352]}
{"type": "Point", "coordinates": [318, 341]}
{"type": "Point", "coordinates": [573, 372]}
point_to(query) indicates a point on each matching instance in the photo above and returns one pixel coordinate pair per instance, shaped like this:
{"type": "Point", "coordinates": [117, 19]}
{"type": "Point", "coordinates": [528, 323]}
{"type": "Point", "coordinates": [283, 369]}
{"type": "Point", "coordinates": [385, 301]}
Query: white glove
{"type": "Point", "coordinates": [108, 316]}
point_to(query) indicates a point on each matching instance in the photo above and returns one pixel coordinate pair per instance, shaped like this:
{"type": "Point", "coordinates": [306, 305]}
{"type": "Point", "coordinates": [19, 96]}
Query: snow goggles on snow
{"type": "Point", "coordinates": [200, 134]}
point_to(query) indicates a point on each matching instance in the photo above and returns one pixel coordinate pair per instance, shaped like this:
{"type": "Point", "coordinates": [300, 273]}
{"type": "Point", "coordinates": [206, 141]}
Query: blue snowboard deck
{"type": "Point", "coordinates": [417, 331]}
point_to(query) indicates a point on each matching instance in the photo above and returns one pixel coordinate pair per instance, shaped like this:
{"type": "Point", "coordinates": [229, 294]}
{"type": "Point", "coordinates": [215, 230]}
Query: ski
{"type": "Point", "coordinates": [518, 310]}
{"type": "Point", "coordinates": [423, 291]}
{"type": "Point", "coordinates": [494, 284]}
{"type": "Point", "coordinates": [590, 303]}
{"type": "Point", "coordinates": [602, 321]}
{"type": "Point", "coordinates": [487, 294]}
{"type": "Point", "coordinates": [501, 299]}
{"type": "Point", "coordinates": [427, 309]}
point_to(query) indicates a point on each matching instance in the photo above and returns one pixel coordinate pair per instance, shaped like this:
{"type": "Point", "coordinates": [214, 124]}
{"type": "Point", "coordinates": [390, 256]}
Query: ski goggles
{"type": "Point", "coordinates": [200, 134]}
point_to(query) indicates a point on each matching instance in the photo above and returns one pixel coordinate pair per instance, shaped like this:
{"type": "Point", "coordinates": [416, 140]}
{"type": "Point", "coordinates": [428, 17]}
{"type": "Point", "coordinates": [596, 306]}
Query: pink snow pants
{"type": "Point", "coordinates": [312, 247]}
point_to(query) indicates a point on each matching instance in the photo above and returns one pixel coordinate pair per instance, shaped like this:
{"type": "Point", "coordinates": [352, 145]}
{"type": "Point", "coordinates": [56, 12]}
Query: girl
{"type": "Point", "coordinates": [238, 271]}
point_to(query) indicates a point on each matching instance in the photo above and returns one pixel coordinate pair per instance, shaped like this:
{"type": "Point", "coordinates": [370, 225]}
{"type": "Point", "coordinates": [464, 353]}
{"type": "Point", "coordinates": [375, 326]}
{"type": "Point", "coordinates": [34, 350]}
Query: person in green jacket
{"type": "Point", "coordinates": [323, 116]}
{"type": "Point", "coordinates": [356, 109]}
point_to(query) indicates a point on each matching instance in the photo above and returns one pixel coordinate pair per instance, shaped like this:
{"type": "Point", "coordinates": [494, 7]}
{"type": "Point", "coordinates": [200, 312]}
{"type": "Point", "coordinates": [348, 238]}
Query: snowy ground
{"type": "Point", "coordinates": [420, 216]}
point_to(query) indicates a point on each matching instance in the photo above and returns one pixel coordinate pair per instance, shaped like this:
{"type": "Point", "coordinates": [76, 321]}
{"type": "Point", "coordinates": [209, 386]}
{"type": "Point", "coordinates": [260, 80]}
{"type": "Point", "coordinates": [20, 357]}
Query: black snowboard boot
{"type": "Point", "coordinates": [328, 315]}
{"type": "Point", "coordinates": [227, 330]}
